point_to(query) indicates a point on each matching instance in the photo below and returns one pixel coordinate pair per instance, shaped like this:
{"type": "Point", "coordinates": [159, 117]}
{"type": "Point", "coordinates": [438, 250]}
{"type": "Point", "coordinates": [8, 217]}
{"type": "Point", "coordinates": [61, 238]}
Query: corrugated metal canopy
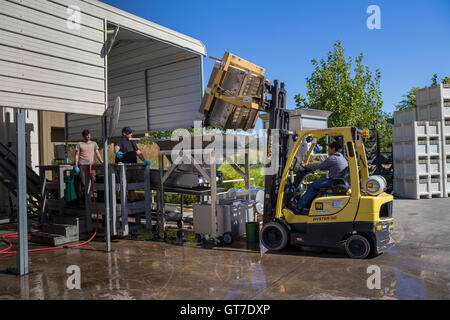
{"type": "Point", "coordinates": [160, 86]}
{"type": "Point", "coordinates": [140, 25]}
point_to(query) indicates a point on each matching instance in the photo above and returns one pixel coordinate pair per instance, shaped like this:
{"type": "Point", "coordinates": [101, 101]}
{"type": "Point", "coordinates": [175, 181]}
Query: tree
{"type": "Point", "coordinates": [434, 79]}
{"type": "Point", "coordinates": [353, 95]}
{"type": "Point", "coordinates": [410, 101]}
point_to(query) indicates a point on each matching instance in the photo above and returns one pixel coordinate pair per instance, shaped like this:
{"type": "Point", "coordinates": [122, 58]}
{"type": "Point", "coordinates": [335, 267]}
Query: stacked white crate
{"type": "Point", "coordinates": [433, 103]}
{"type": "Point", "coordinates": [417, 156]}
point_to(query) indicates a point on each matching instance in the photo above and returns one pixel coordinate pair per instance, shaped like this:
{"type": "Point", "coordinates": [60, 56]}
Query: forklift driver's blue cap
{"type": "Point", "coordinates": [127, 130]}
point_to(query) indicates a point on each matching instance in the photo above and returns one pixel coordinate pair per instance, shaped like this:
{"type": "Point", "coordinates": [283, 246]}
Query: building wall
{"type": "Point", "coordinates": [49, 121]}
{"type": "Point", "coordinates": [47, 64]}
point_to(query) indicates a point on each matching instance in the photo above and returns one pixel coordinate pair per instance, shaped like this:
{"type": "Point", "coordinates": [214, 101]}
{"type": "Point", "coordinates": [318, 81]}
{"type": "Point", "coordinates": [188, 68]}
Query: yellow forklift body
{"type": "Point", "coordinates": [333, 218]}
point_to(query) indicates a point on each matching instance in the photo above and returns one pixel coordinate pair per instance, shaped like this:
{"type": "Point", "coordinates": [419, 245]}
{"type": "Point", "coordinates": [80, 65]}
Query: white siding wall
{"type": "Point", "coordinates": [44, 64]}
{"type": "Point", "coordinates": [128, 20]}
{"type": "Point", "coordinates": [174, 95]}
{"type": "Point", "coordinates": [170, 100]}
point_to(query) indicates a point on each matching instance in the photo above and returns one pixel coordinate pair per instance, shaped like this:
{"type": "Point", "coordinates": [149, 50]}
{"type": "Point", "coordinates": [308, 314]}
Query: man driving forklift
{"type": "Point", "coordinates": [335, 164]}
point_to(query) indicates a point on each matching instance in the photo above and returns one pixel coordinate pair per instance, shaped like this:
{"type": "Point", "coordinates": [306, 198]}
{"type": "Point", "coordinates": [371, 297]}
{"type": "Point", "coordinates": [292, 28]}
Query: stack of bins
{"type": "Point", "coordinates": [417, 156]}
{"type": "Point", "coordinates": [433, 104]}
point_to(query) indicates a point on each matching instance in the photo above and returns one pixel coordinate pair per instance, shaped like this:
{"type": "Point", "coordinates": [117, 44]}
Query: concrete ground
{"type": "Point", "coordinates": [418, 267]}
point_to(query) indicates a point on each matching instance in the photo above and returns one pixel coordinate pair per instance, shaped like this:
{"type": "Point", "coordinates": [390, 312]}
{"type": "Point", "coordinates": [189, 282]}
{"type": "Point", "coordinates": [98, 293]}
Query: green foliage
{"type": "Point", "coordinates": [434, 79]}
{"type": "Point", "coordinates": [316, 176]}
{"type": "Point", "coordinates": [410, 101]}
{"type": "Point", "coordinates": [230, 174]}
{"type": "Point", "coordinates": [352, 93]}
{"type": "Point", "coordinates": [175, 198]}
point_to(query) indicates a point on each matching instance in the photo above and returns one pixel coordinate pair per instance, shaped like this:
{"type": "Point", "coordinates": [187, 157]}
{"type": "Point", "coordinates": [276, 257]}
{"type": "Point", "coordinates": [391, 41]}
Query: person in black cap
{"type": "Point", "coordinates": [126, 151]}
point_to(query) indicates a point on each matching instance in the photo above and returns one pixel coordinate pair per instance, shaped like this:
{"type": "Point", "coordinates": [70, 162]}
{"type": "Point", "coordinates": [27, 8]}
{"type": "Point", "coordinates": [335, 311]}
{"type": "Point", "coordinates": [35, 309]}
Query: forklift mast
{"type": "Point", "coordinates": [236, 93]}
{"type": "Point", "coordinates": [278, 123]}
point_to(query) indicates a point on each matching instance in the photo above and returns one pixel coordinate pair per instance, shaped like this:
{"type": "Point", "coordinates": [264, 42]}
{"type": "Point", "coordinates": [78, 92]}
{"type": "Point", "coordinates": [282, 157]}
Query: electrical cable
{"type": "Point", "coordinates": [15, 235]}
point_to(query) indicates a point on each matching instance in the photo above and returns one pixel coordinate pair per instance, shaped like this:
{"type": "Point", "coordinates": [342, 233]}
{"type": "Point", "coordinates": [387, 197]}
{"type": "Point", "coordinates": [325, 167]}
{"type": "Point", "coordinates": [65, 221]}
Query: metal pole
{"type": "Point", "coordinates": [66, 138]}
{"type": "Point", "coordinates": [105, 164]}
{"type": "Point", "coordinates": [105, 140]}
{"type": "Point", "coordinates": [22, 255]}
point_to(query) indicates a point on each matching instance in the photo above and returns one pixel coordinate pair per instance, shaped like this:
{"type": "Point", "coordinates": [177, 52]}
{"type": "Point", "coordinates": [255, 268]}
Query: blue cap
{"type": "Point", "coordinates": [127, 129]}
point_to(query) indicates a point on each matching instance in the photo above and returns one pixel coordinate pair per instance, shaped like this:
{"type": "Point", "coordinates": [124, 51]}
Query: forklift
{"type": "Point", "coordinates": [355, 213]}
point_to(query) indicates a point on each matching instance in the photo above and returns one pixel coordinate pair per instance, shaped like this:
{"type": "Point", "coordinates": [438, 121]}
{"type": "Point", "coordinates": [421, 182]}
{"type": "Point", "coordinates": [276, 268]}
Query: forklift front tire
{"type": "Point", "coordinates": [274, 236]}
{"type": "Point", "coordinates": [227, 238]}
{"type": "Point", "coordinates": [357, 247]}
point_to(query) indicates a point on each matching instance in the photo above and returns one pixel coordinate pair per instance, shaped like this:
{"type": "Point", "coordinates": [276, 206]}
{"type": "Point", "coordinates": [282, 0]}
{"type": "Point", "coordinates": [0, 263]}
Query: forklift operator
{"type": "Point", "coordinates": [335, 164]}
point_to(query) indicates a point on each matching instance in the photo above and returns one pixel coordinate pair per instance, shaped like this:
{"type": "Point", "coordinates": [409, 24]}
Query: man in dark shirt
{"type": "Point", "coordinates": [126, 151]}
{"type": "Point", "coordinates": [335, 164]}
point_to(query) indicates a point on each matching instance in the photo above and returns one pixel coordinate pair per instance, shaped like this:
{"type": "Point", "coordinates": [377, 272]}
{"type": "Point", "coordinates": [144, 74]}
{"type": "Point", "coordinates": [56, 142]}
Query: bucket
{"type": "Point", "coordinates": [252, 229]}
{"type": "Point", "coordinates": [69, 191]}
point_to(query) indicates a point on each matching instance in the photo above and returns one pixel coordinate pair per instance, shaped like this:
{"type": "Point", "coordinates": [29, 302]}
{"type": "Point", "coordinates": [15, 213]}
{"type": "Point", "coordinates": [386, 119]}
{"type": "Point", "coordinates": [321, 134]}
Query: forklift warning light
{"type": "Point", "coordinates": [366, 132]}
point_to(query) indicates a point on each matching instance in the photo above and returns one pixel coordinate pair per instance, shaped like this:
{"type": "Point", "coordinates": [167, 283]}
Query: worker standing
{"type": "Point", "coordinates": [127, 151]}
{"type": "Point", "coordinates": [84, 156]}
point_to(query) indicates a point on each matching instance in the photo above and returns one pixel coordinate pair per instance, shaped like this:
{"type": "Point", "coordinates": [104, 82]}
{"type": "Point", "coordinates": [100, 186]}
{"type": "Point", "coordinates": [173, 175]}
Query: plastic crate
{"type": "Point", "coordinates": [436, 185]}
{"type": "Point", "coordinates": [412, 188]}
{"type": "Point", "coordinates": [429, 95]}
{"type": "Point", "coordinates": [425, 165]}
{"type": "Point", "coordinates": [446, 164]}
{"type": "Point", "coordinates": [397, 134]}
{"type": "Point", "coordinates": [446, 182]}
{"type": "Point", "coordinates": [446, 127]}
{"type": "Point", "coordinates": [433, 103]}
{"type": "Point", "coordinates": [412, 130]}
{"type": "Point", "coordinates": [435, 165]}
{"type": "Point", "coordinates": [434, 146]}
{"type": "Point", "coordinates": [411, 150]}
{"type": "Point", "coordinates": [408, 131]}
{"type": "Point", "coordinates": [426, 186]}
{"type": "Point", "coordinates": [405, 116]}
{"type": "Point", "coordinates": [446, 146]}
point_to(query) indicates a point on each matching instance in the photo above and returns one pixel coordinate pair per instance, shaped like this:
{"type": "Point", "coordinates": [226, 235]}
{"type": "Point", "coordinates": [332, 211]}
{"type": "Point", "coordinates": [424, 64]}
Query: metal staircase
{"type": "Point", "coordinates": [8, 177]}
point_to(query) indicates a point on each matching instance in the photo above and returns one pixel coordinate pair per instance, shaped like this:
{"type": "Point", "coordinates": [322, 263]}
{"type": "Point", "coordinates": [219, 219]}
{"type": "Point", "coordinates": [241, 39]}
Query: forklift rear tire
{"type": "Point", "coordinates": [274, 236]}
{"type": "Point", "coordinates": [227, 238]}
{"type": "Point", "coordinates": [357, 247]}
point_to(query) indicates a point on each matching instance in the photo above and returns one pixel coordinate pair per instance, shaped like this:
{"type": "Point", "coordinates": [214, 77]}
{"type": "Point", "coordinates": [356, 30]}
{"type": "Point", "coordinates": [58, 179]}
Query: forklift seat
{"type": "Point", "coordinates": [339, 186]}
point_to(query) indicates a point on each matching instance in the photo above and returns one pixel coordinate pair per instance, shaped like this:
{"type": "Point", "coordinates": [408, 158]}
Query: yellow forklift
{"type": "Point", "coordinates": [354, 213]}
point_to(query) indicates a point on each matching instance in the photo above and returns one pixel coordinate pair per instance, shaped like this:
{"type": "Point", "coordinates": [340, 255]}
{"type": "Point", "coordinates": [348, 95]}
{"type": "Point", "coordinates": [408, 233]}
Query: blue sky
{"type": "Point", "coordinates": [283, 36]}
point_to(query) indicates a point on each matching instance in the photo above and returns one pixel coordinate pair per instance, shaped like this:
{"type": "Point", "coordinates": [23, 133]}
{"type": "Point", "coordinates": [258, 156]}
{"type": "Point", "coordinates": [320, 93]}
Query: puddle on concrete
{"type": "Point", "coordinates": [183, 268]}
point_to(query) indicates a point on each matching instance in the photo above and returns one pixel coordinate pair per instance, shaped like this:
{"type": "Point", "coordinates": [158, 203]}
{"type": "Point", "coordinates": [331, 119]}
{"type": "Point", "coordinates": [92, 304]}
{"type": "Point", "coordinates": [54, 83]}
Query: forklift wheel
{"type": "Point", "coordinates": [274, 236]}
{"type": "Point", "coordinates": [357, 247]}
{"type": "Point", "coordinates": [227, 238]}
